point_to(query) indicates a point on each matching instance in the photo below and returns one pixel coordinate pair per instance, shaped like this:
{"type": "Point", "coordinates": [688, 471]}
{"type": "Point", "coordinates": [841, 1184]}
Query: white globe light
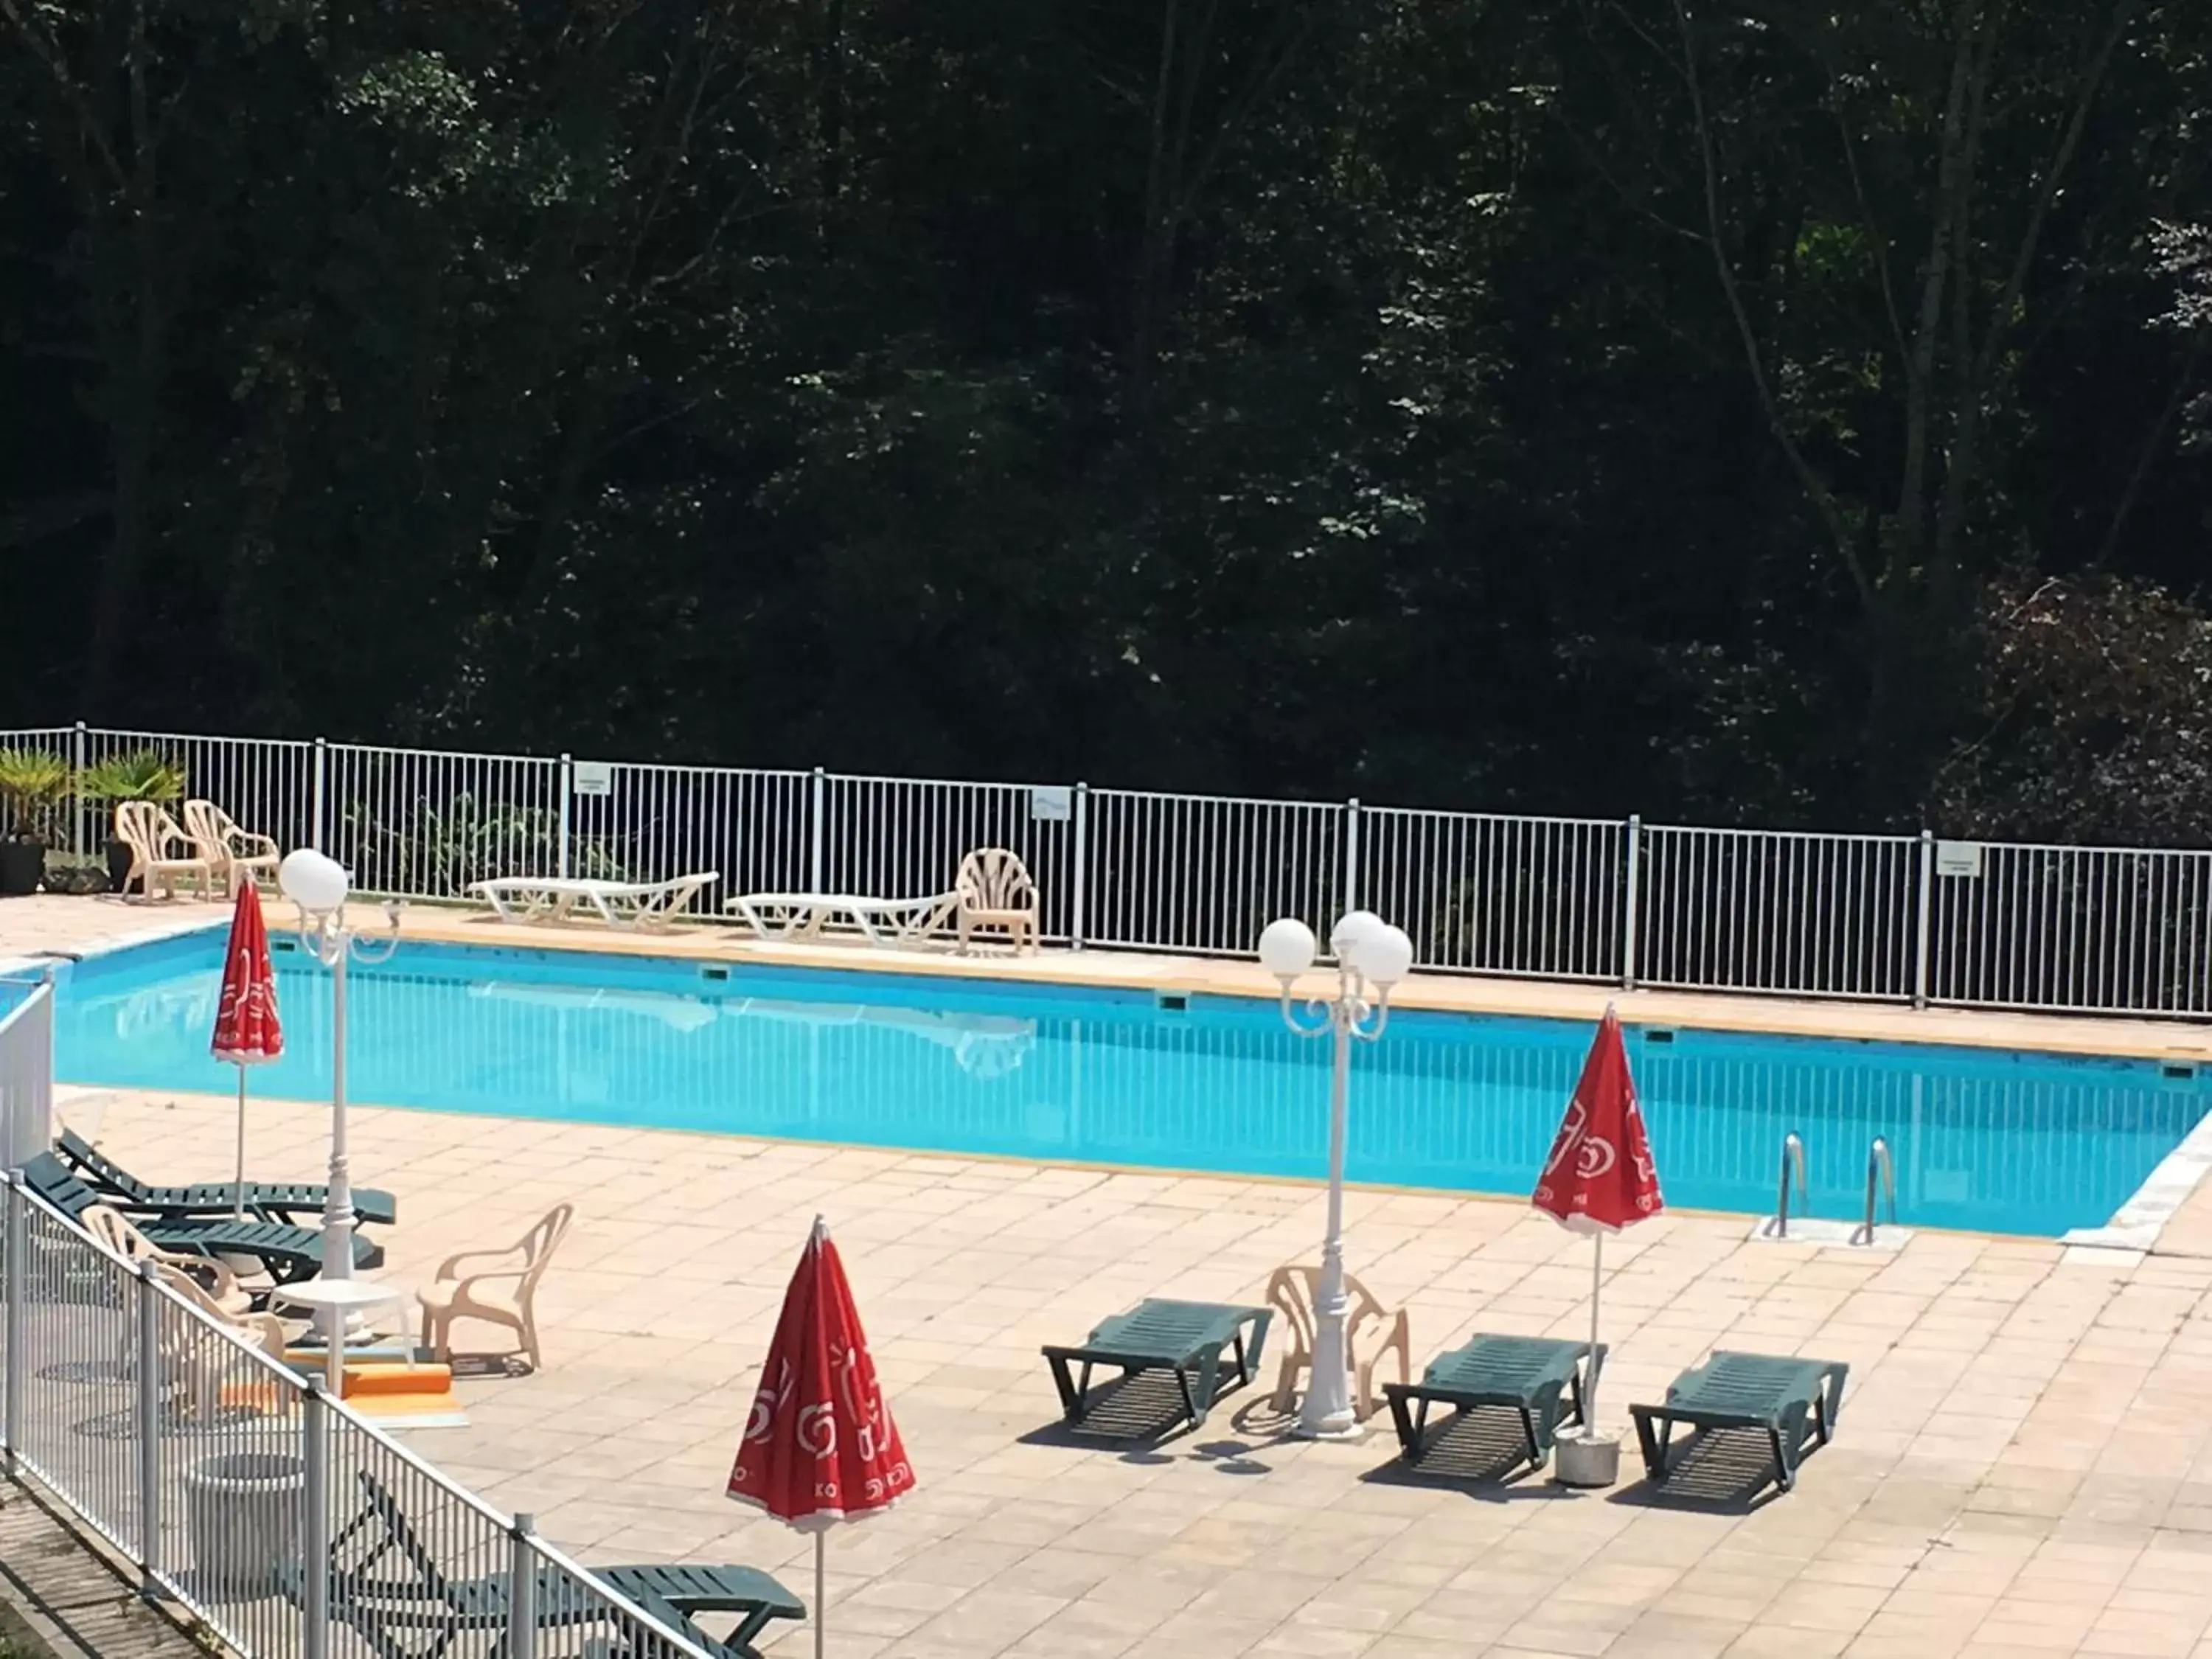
{"type": "Point", "coordinates": [1385, 955]}
{"type": "Point", "coordinates": [1286, 948]}
{"type": "Point", "coordinates": [1348, 938]}
{"type": "Point", "coordinates": [315, 883]}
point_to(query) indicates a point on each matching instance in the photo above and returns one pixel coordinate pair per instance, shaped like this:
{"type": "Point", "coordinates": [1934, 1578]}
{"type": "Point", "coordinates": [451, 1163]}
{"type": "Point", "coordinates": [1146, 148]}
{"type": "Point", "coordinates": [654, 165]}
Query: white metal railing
{"type": "Point", "coordinates": [1204, 872]}
{"type": "Point", "coordinates": [26, 1068]}
{"type": "Point", "coordinates": [1479, 893]}
{"type": "Point", "coordinates": [426, 823]}
{"type": "Point", "coordinates": [2091, 929]}
{"type": "Point", "coordinates": [1892, 918]}
{"type": "Point", "coordinates": [291, 1527]}
{"type": "Point", "coordinates": [908, 835]}
{"type": "Point", "coordinates": [751, 829]}
{"type": "Point", "coordinates": [1778, 911]}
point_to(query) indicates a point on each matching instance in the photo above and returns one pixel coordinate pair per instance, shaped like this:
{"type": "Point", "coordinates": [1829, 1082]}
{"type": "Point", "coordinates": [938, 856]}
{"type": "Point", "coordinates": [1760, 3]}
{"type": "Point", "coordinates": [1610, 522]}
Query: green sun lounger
{"type": "Point", "coordinates": [290, 1253]}
{"type": "Point", "coordinates": [1187, 1338]}
{"type": "Point", "coordinates": [1537, 1376]}
{"type": "Point", "coordinates": [411, 1609]}
{"type": "Point", "coordinates": [266, 1200]}
{"type": "Point", "coordinates": [674, 1594]}
{"type": "Point", "coordinates": [1789, 1400]}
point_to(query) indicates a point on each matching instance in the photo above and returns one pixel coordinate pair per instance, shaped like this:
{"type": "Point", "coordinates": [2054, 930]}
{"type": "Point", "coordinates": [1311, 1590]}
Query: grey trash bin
{"type": "Point", "coordinates": [243, 1511]}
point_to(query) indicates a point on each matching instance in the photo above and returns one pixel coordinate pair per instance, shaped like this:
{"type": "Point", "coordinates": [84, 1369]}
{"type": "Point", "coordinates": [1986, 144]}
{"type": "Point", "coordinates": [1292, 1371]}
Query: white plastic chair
{"type": "Point", "coordinates": [231, 852]}
{"type": "Point", "coordinates": [996, 891]}
{"type": "Point", "coordinates": [213, 1279]}
{"type": "Point", "coordinates": [454, 1295]}
{"type": "Point", "coordinates": [156, 839]}
{"type": "Point", "coordinates": [205, 1364]}
{"type": "Point", "coordinates": [1372, 1332]}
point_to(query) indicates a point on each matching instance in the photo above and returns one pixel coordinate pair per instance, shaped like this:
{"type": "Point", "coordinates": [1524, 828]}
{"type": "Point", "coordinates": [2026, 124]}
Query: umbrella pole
{"type": "Point", "coordinates": [238, 1193]}
{"type": "Point", "coordinates": [1597, 1281]}
{"type": "Point", "coordinates": [817, 1596]}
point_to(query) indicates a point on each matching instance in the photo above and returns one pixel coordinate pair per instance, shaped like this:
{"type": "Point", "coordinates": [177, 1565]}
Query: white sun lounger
{"type": "Point", "coordinates": [646, 904]}
{"type": "Point", "coordinates": [809, 916]}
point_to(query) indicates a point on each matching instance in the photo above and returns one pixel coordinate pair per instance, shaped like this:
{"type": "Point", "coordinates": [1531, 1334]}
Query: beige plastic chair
{"type": "Point", "coordinates": [1370, 1330]}
{"type": "Point", "coordinates": [996, 891]}
{"type": "Point", "coordinates": [203, 1364]}
{"type": "Point", "coordinates": [217, 1285]}
{"type": "Point", "coordinates": [454, 1295]}
{"type": "Point", "coordinates": [231, 852]}
{"type": "Point", "coordinates": [154, 840]}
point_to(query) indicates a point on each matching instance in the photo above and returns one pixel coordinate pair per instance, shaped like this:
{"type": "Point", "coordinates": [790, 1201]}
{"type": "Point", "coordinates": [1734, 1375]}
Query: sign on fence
{"type": "Point", "coordinates": [592, 777]}
{"type": "Point", "coordinates": [1052, 803]}
{"type": "Point", "coordinates": [1959, 859]}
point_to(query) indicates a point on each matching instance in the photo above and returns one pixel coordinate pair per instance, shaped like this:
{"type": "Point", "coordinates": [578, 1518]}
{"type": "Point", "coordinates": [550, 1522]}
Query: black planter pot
{"type": "Point", "coordinates": [119, 865]}
{"type": "Point", "coordinates": [22, 864]}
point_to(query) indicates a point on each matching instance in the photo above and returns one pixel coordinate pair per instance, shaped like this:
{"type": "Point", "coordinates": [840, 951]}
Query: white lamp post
{"type": "Point", "coordinates": [318, 885]}
{"type": "Point", "coordinates": [1370, 956]}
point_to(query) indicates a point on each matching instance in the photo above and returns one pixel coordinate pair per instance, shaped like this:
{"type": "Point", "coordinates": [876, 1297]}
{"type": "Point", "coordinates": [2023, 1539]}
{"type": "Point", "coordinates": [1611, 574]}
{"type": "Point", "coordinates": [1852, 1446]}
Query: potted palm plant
{"type": "Point", "coordinates": [136, 774]}
{"type": "Point", "coordinates": [31, 782]}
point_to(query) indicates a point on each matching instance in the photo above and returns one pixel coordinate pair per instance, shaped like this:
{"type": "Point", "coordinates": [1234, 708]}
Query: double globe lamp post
{"type": "Point", "coordinates": [318, 885]}
{"type": "Point", "coordinates": [1371, 956]}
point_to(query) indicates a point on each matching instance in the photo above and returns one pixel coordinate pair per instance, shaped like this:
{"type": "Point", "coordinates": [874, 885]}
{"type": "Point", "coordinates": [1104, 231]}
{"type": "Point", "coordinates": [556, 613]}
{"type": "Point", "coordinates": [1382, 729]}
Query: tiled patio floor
{"type": "Point", "coordinates": [2024, 1464]}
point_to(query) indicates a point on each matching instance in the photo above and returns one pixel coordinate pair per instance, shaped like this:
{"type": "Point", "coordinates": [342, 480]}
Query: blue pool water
{"type": "Point", "coordinates": [1995, 1141]}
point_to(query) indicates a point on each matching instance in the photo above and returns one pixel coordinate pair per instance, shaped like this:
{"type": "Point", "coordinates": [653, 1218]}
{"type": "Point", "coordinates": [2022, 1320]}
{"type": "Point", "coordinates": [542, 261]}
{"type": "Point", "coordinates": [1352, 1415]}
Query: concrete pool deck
{"type": "Point", "coordinates": [2023, 1466]}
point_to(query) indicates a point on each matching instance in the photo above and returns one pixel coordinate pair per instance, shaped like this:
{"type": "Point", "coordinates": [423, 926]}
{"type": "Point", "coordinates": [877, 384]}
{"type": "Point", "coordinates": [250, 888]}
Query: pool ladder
{"type": "Point", "coordinates": [1793, 1159]}
{"type": "Point", "coordinates": [1880, 1180]}
{"type": "Point", "coordinates": [1881, 1176]}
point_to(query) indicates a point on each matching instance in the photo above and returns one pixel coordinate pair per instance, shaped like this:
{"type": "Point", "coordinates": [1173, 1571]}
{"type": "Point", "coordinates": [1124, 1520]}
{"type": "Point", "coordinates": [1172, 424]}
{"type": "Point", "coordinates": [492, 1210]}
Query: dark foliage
{"type": "Point", "coordinates": [1525, 403]}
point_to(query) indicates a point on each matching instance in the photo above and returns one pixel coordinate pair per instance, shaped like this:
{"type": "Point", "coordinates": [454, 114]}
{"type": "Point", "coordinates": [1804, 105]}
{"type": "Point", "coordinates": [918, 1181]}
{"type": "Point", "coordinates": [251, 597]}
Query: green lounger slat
{"type": "Point", "coordinates": [1529, 1375]}
{"type": "Point", "coordinates": [674, 1594]}
{"type": "Point", "coordinates": [266, 1200]}
{"type": "Point", "coordinates": [1790, 1401]}
{"type": "Point", "coordinates": [1187, 1338]}
{"type": "Point", "coordinates": [290, 1253]}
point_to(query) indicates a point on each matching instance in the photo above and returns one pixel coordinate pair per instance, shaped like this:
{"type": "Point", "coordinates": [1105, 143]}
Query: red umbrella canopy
{"type": "Point", "coordinates": [245, 1028]}
{"type": "Point", "coordinates": [1599, 1175]}
{"type": "Point", "coordinates": [820, 1446]}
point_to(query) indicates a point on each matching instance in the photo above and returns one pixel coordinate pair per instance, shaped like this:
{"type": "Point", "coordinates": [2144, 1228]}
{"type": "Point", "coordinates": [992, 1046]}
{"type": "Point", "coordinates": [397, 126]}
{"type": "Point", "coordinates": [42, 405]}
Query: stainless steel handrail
{"type": "Point", "coordinates": [1793, 1157]}
{"type": "Point", "coordinates": [1881, 1176]}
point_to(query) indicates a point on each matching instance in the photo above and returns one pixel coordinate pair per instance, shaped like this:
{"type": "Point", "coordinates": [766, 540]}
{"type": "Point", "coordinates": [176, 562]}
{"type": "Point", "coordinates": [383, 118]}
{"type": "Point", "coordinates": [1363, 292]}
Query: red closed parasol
{"type": "Point", "coordinates": [246, 1031]}
{"type": "Point", "coordinates": [819, 1446]}
{"type": "Point", "coordinates": [1600, 1176]}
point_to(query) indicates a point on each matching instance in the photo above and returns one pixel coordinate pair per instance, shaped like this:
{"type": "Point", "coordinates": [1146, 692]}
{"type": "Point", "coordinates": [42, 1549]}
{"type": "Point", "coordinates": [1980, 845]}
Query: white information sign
{"type": "Point", "coordinates": [1960, 859]}
{"type": "Point", "coordinates": [592, 777]}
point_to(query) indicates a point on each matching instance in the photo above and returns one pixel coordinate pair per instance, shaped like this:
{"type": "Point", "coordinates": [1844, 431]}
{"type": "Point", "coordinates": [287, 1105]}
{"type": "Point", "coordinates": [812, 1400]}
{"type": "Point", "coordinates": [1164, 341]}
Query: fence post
{"type": "Point", "coordinates": [77, 791]}
{"type": "Point", "coordinates": [567, 794]}
{"type": "Point", "coordinates": [1923, 918]}
{"type": "Point", "coordinates": [1351, 860]}
{"type": "Point", "coordinates": [1635, 901]}
{"type": "Point", "coordinates": [522, 1592]}
{"type": "Point", "coordinates": [149, 1416]}
{"type": "Point", "coordinates": [315, 1520]}
{"type": "Point", "coordinates": [1082, 864]}
{"type": "Point", "coordinates": [315, 812]}
{"type": "Point", "coordinates": [11, 1396]}
{"type": "Point", "coordinates": [814, 814]}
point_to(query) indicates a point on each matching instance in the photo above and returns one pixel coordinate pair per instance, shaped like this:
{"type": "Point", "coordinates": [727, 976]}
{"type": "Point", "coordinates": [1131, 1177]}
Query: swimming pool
{"type": "Point", "coordinates": [1991, 1140]}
